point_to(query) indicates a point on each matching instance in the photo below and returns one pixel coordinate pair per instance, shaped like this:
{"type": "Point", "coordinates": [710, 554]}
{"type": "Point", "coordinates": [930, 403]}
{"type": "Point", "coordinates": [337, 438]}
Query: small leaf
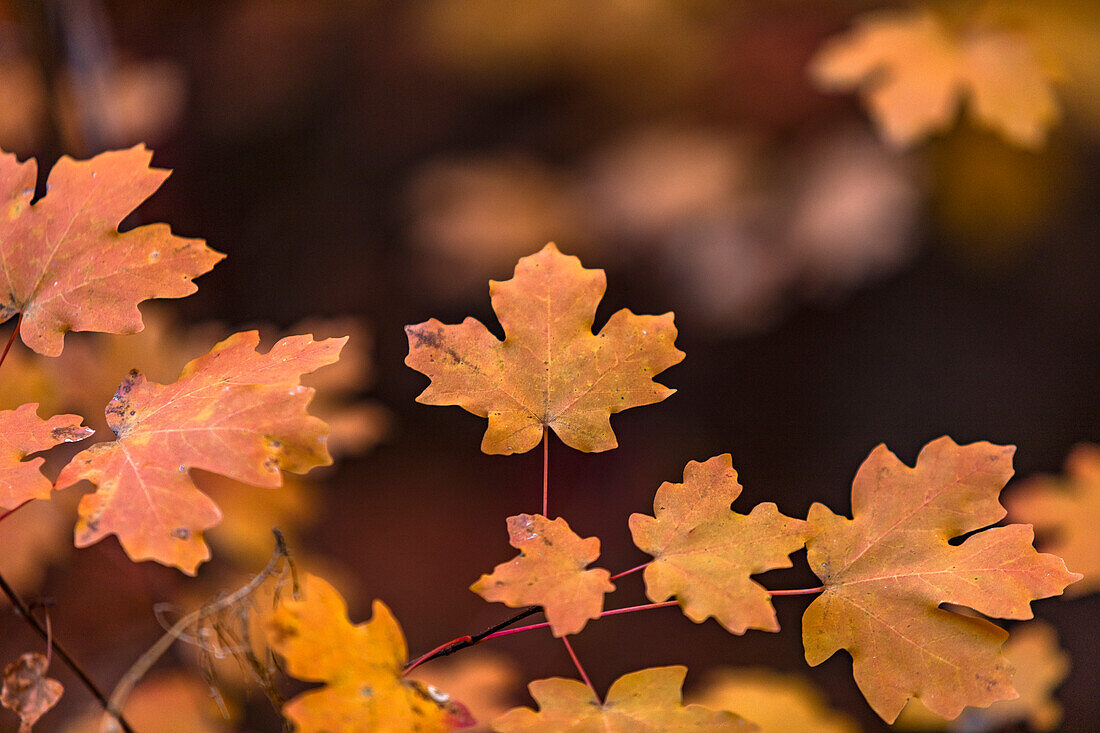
{"type": "Point", "coordinates": [550, 371]}
{"type": "Point", "coordinates": [28, 691]}
{"type": "Point", "coordinates": [362, 668]}
{"type": "Point", "coordinates": [704, 552]}
{"type": "Point", "coordinates": [647, 700]}
{"type": "Point", "coordinates": [22, 432]}
{"type": "Point", "coordinates": [66, 266]}
{"type": "Point", "coordinates": [887, 571]}
{"type": "Point", "coordinates": [549, 572]}
{"type": "Point", "coordinates": [233, 411]}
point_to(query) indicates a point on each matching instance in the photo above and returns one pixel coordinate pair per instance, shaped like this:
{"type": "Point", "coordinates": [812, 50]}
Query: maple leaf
{"type": "Point", "coordinates": [886, 572]}
{"type": "Point", "coordinates": [647, 700]}
{"type": "Point", "coordinates": [914, 69]}
{"type": "Point", "coordinates": [28, 691]}
{"type": "Point", "coordinates": [22, 432]}
{"type": "Point", "coordinates": [234, 411]}
{"type": "Point", "coordinates": [704, 552]}
{"type": "Point", "coordinates": [550, 371]}
{"type": "Point", "coordinates": [362, 668]}
{"type": "Point", "coordinates": [485, 682]}
{"type": "Point", "coordinates": [549, 572]}
{"type": "Point", "coordinates": [63, 262]}
{"type": "Point", "coordinates": [777, 702]}
{"type": "Point", "coordinates": [1066, 513]}
{"type": "Point", "coordinates": [1040, 667]}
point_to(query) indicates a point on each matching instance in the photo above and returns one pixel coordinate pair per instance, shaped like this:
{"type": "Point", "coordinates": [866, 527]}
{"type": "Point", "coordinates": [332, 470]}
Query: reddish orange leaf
{"type": "Point", "coordinates": [1041, 666]}
{"type": "Point", "coordinates": [647, 700]}
{"type": "Point", "coordinates": [22, 432]}
{"type": "Point", "coordinates": [362, 668]}
{"type": "Point", "coordinates": [234, 411]}
{"type": "Point", "coordinates": [28, 691]}
{"type": "Point", "coordinates": [550, 371]}
{"type": "Point", "coordinates": [704, 552]}
{"type": "Point", "coordinates": [915, 68]}
{"type": "Point", "coordinates": [1068, 512]}
{"type": "Point", "coordinates": [887, 571]}
{"type": "Point", "coordinates": [549, 572]}
{"type": "Point", "coordinates": [65, 265]}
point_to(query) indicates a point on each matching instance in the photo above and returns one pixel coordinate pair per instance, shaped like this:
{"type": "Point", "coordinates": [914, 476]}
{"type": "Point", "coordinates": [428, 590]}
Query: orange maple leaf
{"type": "Point", "coordinates": [704, 552]}
{"type": "Point", "coordinates": [63, 262]}
{"type": "Point", "coordinates": [915, 68]}
{"type": "Point", "coordinates": [1066, 513]}
{"type": "Point", "coordinates": [776, 701]}
{"type": "Point", "coordinates": [647, 700]}
{"type": "Point", "coordinates": [362, 668]}
{"type": "Point", "coordinates": [550, 371]}
{"type": "Point", "coordinates": [549, 572]}
{"type": "Point", "coordinates": [887, 571]}
{"type": "Point", "coordinates": [233, 411]}
{"type": "Point", "coordinates": [22, 432]}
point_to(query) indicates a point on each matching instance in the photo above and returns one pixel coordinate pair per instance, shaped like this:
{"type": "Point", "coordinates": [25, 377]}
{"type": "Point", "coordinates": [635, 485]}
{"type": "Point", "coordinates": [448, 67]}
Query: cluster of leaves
{"type": "Point", "coordinates": [242, 414]}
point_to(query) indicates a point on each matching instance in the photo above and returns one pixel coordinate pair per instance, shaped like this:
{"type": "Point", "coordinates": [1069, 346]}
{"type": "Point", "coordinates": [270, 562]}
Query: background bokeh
{"type": "Point", "coordinates": [383, 160]}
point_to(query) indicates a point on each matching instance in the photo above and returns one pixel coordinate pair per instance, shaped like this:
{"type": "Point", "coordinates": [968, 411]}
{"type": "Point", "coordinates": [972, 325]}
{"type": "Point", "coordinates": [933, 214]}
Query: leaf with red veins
{"type": "Point", "coordinates": [22, 432]}
{"type": "Point", "coordinates": [549, 572]}
{"type": "Point", "coordinates": [63, 263]}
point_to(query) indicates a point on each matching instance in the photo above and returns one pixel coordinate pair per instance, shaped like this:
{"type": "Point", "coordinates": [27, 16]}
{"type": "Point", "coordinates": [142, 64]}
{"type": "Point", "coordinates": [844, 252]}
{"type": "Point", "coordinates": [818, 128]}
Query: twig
{"type": "Point", "coordinates": [125, 686]}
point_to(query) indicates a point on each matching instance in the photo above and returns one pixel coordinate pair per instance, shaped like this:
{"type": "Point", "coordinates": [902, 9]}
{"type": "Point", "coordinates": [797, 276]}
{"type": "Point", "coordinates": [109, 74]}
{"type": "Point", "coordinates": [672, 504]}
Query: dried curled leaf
{"type": "Point", "coordinates": [1040, 667]}
{"type": "Point", "coordinates": [550, 371]}
{"type": "Point", "coordinates": [66, 266]}
{"type": "Point", "coordinates": [1066, 513]}
{"type": "Point", "coordinates": [550, 571]}
{"type": "Point", "coordinates": [776, 701]}
{"type": "Point", "coordinates": [362, 668]}
{"type": "Point", "coordinates": [28, 691]}
{"type": "Point", "coordinates": [887, 571]}
{"type": "Point", "coordinates": [915, 68]}
{"type": "Point", "coordinates": [234, 411]}
{"type": "Point", "coordinates": [647, 700]}
{"type": "Point", "coordinates": [704, 552]}
{"type": "Point", "coordinates": [22, 432]}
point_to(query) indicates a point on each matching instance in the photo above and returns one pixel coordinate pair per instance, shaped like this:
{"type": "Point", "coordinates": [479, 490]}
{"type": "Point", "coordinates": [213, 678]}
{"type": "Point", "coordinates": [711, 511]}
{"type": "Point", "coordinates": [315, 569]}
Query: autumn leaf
{"type": "Point", "coordinates": [22, 432]}
{"type": "Point", "coordinates": [362, 668]}
{"type": "Point", "coordinates": [704, 552]}
{"type": "Point", "coordinates": [914, 68]}
{"type": "Point", "coordinates": [647, 700]}
{"type": "Point", "coordinates": [550, 371]}
{"type": "Point", "coordinates": [1066, 513]}
{"type": "Point", "coordinates": [28, 691]}
{"type": "Point", "coordinates": [886, 572]}
{"type": "Point", "coordinates": [777, 702]}
{"type": "Point", "coordinates": [234, 411]}
{"type": "Point", "coordinates": [65, 265]}
{"type": "Point", "coordinates": [1040, 667]}
{"type": "Point", "coordinates": [549, 572]}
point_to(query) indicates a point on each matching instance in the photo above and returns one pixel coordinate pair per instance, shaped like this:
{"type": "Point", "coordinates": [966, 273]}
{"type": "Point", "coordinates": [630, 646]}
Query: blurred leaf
{"type": "Point", "coordinates": [775, 701]}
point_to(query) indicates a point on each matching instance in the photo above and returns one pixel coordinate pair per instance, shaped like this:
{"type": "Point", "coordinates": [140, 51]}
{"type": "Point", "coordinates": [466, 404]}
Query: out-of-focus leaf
{"type": "Point", "coordinates": [777, 702]}
{"type": "Point", "coordinates": [27, 691]}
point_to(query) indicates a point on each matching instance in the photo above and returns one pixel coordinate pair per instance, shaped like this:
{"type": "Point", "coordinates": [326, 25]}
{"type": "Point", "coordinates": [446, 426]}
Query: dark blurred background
{"type": "Point", "coordinates": [384, 160]}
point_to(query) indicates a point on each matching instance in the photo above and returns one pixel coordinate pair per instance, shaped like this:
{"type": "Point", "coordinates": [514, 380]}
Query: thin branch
{"type": "Point", "coordinates": [545, 470]}
{"type": "Point", "coordinates": [466, 641]}
{"type": "Point", "coordinates": [11, 340]}
{"type": "Point", "coordinates": [24, 610]}
{"type": "Point", "coordinates": [13, 510]}
{"type": "Point", "coordinates": [632, 570]}
{"type": "Point", "coordinates": [129, 680]}
{"type": "Point", "coordinates": [797, 591]}
{"type": "Point", "coordinates": [577, 664]}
